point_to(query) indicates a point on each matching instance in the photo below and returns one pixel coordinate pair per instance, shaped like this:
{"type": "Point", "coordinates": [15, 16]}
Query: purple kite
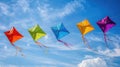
{"type": "Point", "coordinates": [106, 24]}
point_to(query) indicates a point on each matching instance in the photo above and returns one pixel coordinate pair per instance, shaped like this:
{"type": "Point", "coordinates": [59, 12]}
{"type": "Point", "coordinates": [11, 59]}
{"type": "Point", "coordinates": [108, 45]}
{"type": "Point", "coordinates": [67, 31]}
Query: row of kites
{"type": "Point", "coordinates": [60, 31]}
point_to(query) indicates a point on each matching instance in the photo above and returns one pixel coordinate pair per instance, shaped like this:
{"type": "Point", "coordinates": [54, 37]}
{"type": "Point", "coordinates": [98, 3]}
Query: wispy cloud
{"type": "Point", "coordinates": [5, 9]}
{"type": "Point", "coordinates": [3, 27]}
{"type": "Point", "coordinates": [71, 7]}
{"type": "Point", "coordinates": [23, 23]}
{"type": "Point", "coordinates": [110, 52]}
{"type": "Point", "coordinates": [48, 12]}
{"type": "Point", "coordinates": [113, 42]}
{"type": "Point", "coordinates": [15, 8]}
{"type": "Point", "coordinates": [24, 4]}
{"type": "Point", "coordinates": [45, 11]}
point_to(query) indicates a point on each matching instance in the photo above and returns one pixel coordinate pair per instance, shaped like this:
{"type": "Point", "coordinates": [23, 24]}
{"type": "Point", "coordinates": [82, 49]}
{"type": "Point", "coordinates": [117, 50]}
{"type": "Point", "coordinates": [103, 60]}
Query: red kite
{"type": "Point", "coordinates": [13, 35]}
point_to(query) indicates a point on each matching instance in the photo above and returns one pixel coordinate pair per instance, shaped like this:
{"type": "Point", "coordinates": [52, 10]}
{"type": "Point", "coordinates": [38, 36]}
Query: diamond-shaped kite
{"type": "Point", "coordinates": [13, 35]}
{"type": "Point", "coordinates": [60, 31]}
{"type": "Point", "coordinates": [106, 24]}
{"type": "Point", "coordinates": [85, 27]}
{"type": "Point", "coordinates": [36, 32]}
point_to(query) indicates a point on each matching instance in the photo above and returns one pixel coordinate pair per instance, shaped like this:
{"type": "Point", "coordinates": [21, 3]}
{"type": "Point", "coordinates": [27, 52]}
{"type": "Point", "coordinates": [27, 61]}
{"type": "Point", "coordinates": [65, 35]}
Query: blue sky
{"type": "Point", "coordinates": [23, 14]}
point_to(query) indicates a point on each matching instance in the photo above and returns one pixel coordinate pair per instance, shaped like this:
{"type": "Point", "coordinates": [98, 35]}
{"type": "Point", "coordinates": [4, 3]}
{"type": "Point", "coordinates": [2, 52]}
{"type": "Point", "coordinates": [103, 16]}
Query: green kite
{"type": "Point", "coordinates": [36, 32]}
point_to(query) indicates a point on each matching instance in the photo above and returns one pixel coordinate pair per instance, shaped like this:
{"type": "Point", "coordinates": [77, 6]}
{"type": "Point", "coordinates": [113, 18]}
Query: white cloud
{"type": "Point", "coordinates": [95, 62]}
{"type": "Point", "coordinates": [45, 10]}
{"type": "Point", "coordinates": [111, 53]}
{"type": "Point", "coordinates": [48, 12]}
{"type": "Point", "coordinates": [70, 7]}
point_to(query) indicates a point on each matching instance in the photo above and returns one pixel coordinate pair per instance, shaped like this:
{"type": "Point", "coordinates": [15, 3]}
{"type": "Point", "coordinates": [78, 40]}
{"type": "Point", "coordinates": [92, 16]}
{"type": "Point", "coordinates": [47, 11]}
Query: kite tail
{"type": "Point", "coordinates": [85, 42]}
{"type": "Point", "coordinates": [40, 44]}
{"type": "Point", "coordinates": [66, 44]}
{"type": "Point", "coordinates": [18, 49]}
{"type": "Point", "coordinates": [105, 38]}
{"type": "Point", "coordinates": [111, 39]}
{"type": "Point", "coordinates": [116, 40]}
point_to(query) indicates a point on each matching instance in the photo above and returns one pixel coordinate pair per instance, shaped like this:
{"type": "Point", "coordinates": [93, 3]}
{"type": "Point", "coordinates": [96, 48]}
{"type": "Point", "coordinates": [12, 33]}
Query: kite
{"type": "Point", "coordinates": [85, 27]}
{"type": "Point", "coordinates": [105, 25]}
{"type": "Point", "coordinates": [13, 35]}
{"type": "Point", "coordinates": [37, 33]}
{"type": "Point", "coordinates": [60, 31]}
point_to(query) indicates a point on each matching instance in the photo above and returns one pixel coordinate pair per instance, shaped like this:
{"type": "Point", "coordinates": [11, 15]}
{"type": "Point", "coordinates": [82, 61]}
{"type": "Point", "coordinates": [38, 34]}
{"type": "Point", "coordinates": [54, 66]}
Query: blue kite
{"type": "Point", "coordinates": [60, 31]}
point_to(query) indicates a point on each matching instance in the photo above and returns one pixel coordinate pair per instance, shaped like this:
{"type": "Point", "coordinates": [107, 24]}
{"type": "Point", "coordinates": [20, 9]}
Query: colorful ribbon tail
{"type": "Point", "coordinates": [105, 38]}
{"type": "Point", "coordinates": [66, 44]}
{"type": "Point", "coordinates": [111, 39]}
{"type": "Point", "coordinates": [85, 42]}
{"type": "Point", "coordinates": [18, 49]}
{"type": "Point", "coordinates": [40, 44]}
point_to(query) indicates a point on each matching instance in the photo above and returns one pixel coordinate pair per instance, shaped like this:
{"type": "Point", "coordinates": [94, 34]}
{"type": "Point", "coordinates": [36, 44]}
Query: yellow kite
{"type": "Point", "coordinates": [85, 27]}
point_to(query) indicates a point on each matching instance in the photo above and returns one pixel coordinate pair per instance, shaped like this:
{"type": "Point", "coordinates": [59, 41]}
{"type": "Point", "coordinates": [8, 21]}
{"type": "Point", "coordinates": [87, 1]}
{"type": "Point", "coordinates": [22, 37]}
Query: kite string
{"type": "Point", "coordinates": [105, 38]}
{"type": "Point", "coordinates": [111, 39]}
{"type": "Point", "coordinates": [85, 41]}
{"type": "Point", "coordinates": [18, 49]}
{"type": "Point", "coordinates": [116, 40]}
{"type": "Point", "coordinates": [66, 44]}
{"type": "Point", "coordinates": [40, 44]}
